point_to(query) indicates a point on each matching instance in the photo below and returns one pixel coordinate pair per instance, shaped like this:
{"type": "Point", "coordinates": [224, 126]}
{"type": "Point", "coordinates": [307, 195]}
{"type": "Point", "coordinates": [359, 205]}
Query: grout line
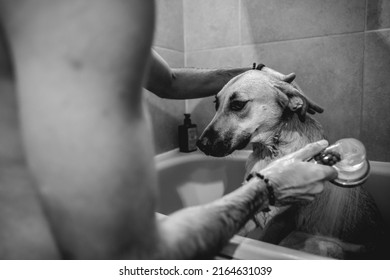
{"type": "Point", "coordinates": [282, 41]}
{"type": "Point", "coordinates": [377, 30]}
{"type": "Point", "coordinates": [167, 49]}
{"type": "Point", "coordinates": [216, 49]}
{"type": "Point", "coordinates": [363, 71]}
{"type": "Point", "coordinates": [366, 16]}
{"type": "Point", "coordinates": [291, 40]}
{"type": "Point", "coordinates": [239, 23]}
{"type": "Point", "coordinates": [186, 102]}
{"type": "Point", "coordinates": [240, 17]}
{"type": "Point", "coordinates": [184, 33]}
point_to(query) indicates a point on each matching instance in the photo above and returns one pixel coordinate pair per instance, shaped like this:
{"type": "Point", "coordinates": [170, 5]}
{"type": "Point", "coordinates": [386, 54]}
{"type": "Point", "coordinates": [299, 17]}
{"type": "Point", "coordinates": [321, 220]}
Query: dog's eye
{"type": "Point", "coordinates": [237, 105]}
{"type": "Point", "coordinates": [216, 104]}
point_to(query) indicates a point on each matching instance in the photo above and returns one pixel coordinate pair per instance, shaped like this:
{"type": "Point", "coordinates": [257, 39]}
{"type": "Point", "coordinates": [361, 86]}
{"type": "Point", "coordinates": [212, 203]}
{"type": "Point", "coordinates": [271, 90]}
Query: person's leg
{"type": "Point", "coordinates": [79, 66]}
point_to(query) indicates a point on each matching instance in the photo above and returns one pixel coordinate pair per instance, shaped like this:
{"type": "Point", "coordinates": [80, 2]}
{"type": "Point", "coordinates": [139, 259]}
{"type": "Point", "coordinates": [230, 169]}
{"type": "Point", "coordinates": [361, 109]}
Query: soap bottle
{"type": "Point", "coordinates": [188, 135]}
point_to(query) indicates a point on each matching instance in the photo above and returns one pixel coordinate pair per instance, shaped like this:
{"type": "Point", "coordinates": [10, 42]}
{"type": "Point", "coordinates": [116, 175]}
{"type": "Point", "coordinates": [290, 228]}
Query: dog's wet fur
{"type": "Point", "coordinates": [254, 106]}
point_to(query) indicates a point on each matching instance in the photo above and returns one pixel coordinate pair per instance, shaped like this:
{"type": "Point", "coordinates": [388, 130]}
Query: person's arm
{"type": "Point", "coordinates": [88, 144]}
{"type": "Point", "coordinates": [186, 83]}
{"type": "Point", "coordinates": [202, 231]}
{"type": "Point", "coordinates": [189, 83]}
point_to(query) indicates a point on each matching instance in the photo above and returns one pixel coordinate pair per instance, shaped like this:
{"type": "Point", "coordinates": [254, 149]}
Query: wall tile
{"type": "Point", "coordinates": [211, 24]}
{"type": "Point", "coordinates": [169, 24]}
{"type": "Point", "coordinates": [165, 115]}
{"type": "Point", "coordinates": [378, 14]}
{"type": "Point", "coordinates": [277, 20]}
{"type": "Point", "coordinates": [174, 58]}
{"type": "Point", "coordinates": [202, 110]}
{"type": "Point", "coordinates": [376, 102]}
{"type": "Point", "coordinates": [329, 71]}
{"type": "Point", "coordinates": [215, 58]}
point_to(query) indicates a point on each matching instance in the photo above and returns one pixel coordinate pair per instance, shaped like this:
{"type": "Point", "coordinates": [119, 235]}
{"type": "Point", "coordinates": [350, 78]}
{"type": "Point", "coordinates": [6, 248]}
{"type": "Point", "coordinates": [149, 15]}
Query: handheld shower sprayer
{"type": "Point", "coordinates": [348, 157]}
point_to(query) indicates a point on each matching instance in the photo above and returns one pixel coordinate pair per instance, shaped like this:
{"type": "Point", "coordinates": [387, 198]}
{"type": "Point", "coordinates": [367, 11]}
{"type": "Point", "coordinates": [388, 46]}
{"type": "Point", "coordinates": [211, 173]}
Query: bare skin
{"type": "Point", "coordinates": [186, 83]}
{"type": "Point", "coordinates": [76, 163]}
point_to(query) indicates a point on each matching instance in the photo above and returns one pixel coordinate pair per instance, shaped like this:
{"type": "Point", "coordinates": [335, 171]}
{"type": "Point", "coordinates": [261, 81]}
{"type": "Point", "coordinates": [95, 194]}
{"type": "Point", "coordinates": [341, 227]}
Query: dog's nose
{"type": "Point", "coordinates": [207, 140]}
{"type": "Point", "coordinates": [203, 144]}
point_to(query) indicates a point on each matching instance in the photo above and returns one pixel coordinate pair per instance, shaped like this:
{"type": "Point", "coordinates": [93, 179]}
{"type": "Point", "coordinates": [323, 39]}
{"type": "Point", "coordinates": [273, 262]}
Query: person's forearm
{"type": "Point", "coordinates": [202, 231]}
{"type": "Point", "coordinates": [186, 83]}
{"type": "Point", "coordinates": [192, 83]}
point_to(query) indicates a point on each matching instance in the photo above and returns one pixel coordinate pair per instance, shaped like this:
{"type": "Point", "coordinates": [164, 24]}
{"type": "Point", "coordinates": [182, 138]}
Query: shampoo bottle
{"type": "Point", "coordinates": [188, 134]}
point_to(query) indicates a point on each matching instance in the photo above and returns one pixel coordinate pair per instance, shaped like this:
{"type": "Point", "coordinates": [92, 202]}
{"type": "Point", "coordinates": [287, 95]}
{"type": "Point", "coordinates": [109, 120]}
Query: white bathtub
{"type": "Point", "coordinates": [193, 179]}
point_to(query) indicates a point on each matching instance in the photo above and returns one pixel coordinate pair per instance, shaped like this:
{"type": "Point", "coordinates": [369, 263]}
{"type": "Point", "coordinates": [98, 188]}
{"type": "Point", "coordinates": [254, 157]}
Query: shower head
{"type": "Point", "coordinates": [348, 157]}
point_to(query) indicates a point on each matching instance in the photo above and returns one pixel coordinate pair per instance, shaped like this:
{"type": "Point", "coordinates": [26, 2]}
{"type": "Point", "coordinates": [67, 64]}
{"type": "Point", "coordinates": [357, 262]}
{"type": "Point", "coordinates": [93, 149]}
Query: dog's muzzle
{"type": "Point", "coordinates": [204, 145]}
{"type": "Point", "coordinates": [211, 143]}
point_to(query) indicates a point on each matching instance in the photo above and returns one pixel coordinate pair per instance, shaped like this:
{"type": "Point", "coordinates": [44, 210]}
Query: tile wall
{"type": "Point", "coordinates": [339, 49]}
{"type": "Point", "coordinates": [169, 43]}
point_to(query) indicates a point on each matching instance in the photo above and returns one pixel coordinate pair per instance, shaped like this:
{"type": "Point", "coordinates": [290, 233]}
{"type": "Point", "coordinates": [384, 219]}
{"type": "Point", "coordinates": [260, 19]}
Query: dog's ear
{"type": "Point", "coordinates": [289, 78]}
{"type": "Point", "coordinates": [291, 98]}
{"type": "Point", "coordinates": [279, 76]}
{"type": "Point", "coordinates": [294, 100]}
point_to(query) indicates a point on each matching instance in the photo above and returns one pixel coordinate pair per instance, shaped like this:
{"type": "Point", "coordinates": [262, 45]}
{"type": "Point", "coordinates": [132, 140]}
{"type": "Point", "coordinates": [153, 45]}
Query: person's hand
{"type": "Point", "coordinates": [308, 106]}
{"type": "Point", "coordinates": [294, 179]}
{"type": "Point", "coordinates": [292, 89]}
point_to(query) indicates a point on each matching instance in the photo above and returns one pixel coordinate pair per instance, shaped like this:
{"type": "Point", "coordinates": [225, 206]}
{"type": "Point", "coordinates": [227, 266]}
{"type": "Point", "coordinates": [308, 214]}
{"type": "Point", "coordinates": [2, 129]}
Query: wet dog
{"type": "Point", "coordinates": [267, 109]}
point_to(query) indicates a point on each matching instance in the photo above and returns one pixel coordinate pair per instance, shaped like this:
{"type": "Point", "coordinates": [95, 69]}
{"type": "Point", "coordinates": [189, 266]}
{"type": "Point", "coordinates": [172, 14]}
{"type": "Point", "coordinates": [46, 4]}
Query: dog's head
{"type": "Point", "coordinates": [249, 107]}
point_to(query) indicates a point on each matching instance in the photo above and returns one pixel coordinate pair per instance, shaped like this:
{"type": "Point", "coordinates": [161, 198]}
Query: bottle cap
{"type": "Point", "coordinates": [187, 119]}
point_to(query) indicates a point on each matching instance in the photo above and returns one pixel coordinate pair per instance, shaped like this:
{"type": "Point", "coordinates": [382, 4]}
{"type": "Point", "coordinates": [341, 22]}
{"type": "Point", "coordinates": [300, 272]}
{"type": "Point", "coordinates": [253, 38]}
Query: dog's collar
{"type": "Point", "coordinates": [258, 67]}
